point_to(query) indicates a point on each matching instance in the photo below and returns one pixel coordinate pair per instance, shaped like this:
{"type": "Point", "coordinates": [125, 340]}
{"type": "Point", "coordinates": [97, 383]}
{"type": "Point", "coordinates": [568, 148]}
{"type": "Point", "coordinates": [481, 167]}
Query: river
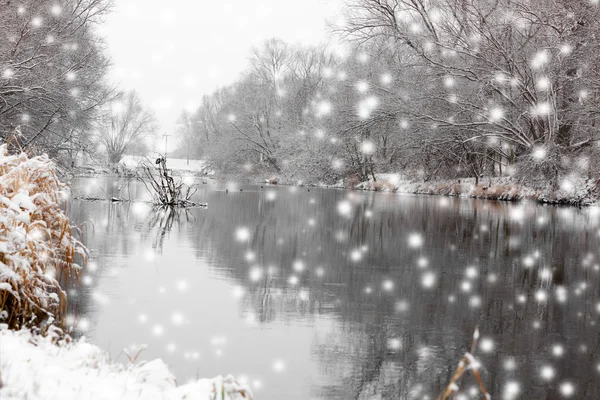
{"type": "Point", "coordinates": [309, 293]}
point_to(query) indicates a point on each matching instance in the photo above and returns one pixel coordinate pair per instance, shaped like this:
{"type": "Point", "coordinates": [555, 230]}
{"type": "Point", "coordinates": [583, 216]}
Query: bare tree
{"type": "Point", "coordinates": [52, 68]}
{"type": "Point", "coordinates": [124, 125]}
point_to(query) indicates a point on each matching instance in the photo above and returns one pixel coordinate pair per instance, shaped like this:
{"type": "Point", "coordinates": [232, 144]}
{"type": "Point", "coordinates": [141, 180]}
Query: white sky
{"type": "Point", "coordinates": [175, 51]}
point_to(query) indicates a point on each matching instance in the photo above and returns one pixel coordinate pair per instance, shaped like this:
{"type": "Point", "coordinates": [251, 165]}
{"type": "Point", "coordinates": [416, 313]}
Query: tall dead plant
{"type": "Point", "coordinates": [37, 248]}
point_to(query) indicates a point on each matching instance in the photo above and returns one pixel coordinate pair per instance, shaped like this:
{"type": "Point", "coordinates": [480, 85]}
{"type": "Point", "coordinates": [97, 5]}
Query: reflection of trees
{"type": "Point", "coordinates": [160, 222]}
{"type": "Point", "coordinates": [355, 360]}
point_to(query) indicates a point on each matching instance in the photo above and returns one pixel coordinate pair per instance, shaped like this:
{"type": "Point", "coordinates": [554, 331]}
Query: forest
{"type": "Point", "coordinates": [435, 89]}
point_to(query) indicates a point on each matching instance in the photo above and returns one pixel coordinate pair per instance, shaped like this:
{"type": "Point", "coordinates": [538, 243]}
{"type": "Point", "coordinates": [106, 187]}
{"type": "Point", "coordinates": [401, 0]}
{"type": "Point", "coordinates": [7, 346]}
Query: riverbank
{"type": "Point", "coordinates": [575, 192]}
{"type": "Point", "coordinates": [36, 367]}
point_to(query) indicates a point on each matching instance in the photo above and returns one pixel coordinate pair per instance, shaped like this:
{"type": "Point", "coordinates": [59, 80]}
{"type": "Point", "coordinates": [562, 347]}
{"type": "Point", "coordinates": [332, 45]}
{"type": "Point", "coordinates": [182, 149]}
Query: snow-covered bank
{"type": "Point", "coordinates": [575, 191]}
{"type": "Point", "coordinates": [35, 367]}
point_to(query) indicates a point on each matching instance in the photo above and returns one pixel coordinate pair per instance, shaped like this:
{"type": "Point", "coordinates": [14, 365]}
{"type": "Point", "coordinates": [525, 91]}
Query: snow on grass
{"type": "Point", "coordinates": [35, 367]}
{"type": "Point", "coordinates": [36, 245]}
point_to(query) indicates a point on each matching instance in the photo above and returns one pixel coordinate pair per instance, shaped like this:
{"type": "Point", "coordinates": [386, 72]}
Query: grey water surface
{"type": "Point", "coordinates": [333, 294]}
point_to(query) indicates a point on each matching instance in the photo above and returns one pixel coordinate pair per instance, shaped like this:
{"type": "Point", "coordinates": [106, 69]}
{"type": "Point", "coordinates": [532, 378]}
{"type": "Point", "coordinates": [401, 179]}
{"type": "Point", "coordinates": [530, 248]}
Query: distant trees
{"type": "Point", "coordinates": [125, 125]}
{"type": "Point", "coordinates": [434, 88]}
{"type": "Point", "coordinates": [52, 68]}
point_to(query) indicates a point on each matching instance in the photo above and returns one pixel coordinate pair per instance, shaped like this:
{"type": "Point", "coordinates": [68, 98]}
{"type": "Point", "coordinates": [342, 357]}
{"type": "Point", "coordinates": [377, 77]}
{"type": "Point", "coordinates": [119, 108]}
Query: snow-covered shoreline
{"type": "Point", "coordinates": [579, 192]}
{"type": "Point", "coordinates": [36, 367]}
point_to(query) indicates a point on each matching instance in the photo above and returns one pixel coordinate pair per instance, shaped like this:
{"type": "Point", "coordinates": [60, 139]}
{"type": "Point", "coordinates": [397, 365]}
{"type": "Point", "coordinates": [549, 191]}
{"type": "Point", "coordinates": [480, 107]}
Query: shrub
{"type": "Point", "coordinates": [37, 248]}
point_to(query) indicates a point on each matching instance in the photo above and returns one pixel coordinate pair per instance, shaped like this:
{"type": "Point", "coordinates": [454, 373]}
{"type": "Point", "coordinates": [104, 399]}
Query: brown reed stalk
{"type": "Point", "coordinates": [467, 362]}
{"type": "Point", "coordinates": [36, 243]}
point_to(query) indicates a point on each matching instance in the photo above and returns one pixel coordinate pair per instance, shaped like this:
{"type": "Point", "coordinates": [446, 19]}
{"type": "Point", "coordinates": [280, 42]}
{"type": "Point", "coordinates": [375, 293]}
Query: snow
{"type": "Point", "coordinates": [573, 190]}
{"type": "Point", "coordinates": [176, 164]}
{"type": "Point", "coordinates": [35, 367]}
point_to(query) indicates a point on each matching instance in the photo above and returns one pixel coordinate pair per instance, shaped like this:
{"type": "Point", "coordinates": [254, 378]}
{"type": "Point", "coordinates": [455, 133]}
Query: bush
{"type": "Point", "coordinates": [37, 248]}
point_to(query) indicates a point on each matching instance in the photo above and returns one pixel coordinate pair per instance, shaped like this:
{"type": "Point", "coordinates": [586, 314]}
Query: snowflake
{"type": "Point", "coordinates": [182, 285]}
{"type": "Point", "coordinates": [8, 73]}
{"type": "Point", "coordinates": [415, 240]}
{"type": "Point", "coordinates": [465, 286]}
{"type": "Point", "coordinates": [541, 296]}
{"type": "Point", "coordinates": [278, 366]}
{"type": "Point", "coordinates": [386, 79]}
{"type": "Point", "coordinates": [56, 10]}
{"type": "Point", "coordinates": [540, 59]}
{"type": "Point", "coordinates": [404, 124]}
{"type": "Point", "coordinates": [387, 285]}
{"type": "Point", "coordinates": [402, 306]}
{"type": "Point", "coordinates": [449, 82]}
{"type": "Point", "coordinates": [36, 22]}
{"type": "Point", "coordinates": [486, 345]}
{"type": "Point", "coordinates": [394, 344]}
{"type": "Point", "coordinates": [567, 389]}
{"type": "Point", "coordinates": [344, 208]}
{"type": "Point", "coordinates": [496, 114]}
{"type": "Point", "coordinates": [255, 274]}
{"type": "Point", "coordinates": [362, 57]}
{"type": "Point", "coordinates": [558, 350]}
{"type": "Point", "coordinates": [428, 280]}
{"type": "Point", "coordinates": [324, 108]}
{"type": "Point", "coordinates": [367, 147]}
{"type": "Point", "coordinates": [547, 373]}
{"type": "Point", "coordinates": [177, 318]}
{"type": "Point", "coordinates": [541, 109]}
{"type": "Point", "coordinates": [362, 86]}
{"type": "Point", "coordinates": [501, 77]}
{"type": "Point", "coordinates": [475, 302]}
{"type": "Point", "coordinates": [298, 266]}
{"type": "Point", "coordinates": [242, 234]}
{"type": "Point", "coordinates": [539, 153]}
{"type": "Point", "coordinates": [510, 364]}
{"type": "Point", "coordinates": [158, 330]}
{"type": "Point", "coordinates": [238, 292]}
{"type": "Point", "coordinates": [543, 84]}
{"type": "Point", "coordinates": [566, 48]}
{"type": "Point", "coordinates": [355, 255]}
{"type": "Point", "coordinates": [511, 390]}
{"type": "Point", "coordinates": [471, 272]}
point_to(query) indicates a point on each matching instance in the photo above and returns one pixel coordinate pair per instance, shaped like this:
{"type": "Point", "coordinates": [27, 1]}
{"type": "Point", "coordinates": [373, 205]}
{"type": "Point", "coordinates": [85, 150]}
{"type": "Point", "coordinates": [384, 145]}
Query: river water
{"type": "Point", "coordinates": [331, 294]}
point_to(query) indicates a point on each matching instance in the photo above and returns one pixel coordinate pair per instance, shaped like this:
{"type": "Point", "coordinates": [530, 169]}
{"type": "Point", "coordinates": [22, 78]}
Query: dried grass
{"type": "Point", "coordinates": [466, 363]}
{"type": "Point", "coordinates": [37, 248]}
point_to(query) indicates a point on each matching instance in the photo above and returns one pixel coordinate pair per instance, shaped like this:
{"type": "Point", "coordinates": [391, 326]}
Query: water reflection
{"type": "Point", "coordinates": [338, 295]}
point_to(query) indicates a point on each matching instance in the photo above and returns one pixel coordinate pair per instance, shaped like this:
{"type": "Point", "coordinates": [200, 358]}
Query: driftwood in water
{"type": "Point", "coordinates": [163, 186]}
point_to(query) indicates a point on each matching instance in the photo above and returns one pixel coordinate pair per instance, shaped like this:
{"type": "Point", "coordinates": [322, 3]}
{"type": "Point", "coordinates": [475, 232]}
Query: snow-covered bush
{"type": "Point", "coordinates": [36, 245]}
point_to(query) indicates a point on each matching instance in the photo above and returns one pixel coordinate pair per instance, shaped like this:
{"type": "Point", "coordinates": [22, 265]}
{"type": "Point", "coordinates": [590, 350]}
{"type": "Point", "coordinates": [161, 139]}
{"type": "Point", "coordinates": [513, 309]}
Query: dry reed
{"type": "Point", "coordinates": [466, 363]}
{"type": "Point", "coordinates": [37, 248]}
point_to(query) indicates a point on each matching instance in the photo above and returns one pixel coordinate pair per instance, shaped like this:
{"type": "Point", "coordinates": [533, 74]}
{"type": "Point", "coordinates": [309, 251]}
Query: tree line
{"type": "Point", "coordinates": [430, 88]}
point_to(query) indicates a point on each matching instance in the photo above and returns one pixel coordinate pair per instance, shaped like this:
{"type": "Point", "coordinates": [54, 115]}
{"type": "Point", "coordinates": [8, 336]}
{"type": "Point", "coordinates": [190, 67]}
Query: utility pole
{"type": "Point", "coordinates": [166, 141]}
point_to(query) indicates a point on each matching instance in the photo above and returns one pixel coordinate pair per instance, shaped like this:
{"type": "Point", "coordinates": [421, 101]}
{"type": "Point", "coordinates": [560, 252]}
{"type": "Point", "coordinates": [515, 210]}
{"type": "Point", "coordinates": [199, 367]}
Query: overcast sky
{"type": "Point", "coordinates": [173, 52]}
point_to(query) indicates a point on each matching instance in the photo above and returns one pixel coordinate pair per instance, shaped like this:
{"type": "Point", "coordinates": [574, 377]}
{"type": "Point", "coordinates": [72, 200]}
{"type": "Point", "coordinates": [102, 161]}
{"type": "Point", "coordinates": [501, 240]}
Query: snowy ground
{"type": "Point", "coordinates": [176, 164]}
{"type": "Point", "coordinates": [33, 367]}
{"type": "Point", "coordinates": [572, 190]}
